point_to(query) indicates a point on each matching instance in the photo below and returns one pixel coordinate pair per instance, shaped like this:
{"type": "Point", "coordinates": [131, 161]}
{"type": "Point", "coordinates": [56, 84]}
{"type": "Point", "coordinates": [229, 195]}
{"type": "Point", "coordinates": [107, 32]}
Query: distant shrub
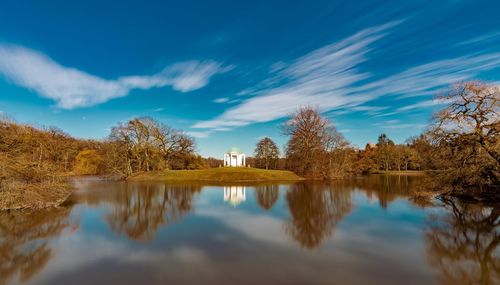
{"type": "Point", "coordinates": [87, 162]}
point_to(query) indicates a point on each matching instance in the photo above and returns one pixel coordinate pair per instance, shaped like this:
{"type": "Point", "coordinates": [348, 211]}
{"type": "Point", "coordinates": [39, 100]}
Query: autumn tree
{"type": "Point", "coordinates": [364, 162]}
{"type": "Point", "coordinates": [150, 145]}
{"type": "Point", "coordinates": [314, 143]}
{"type": "Point", "coordinates": [424, 152]}
{"type": "Point", "coordinates": [467, 129]}
{"type": "Point", "coordinates": [212, 162]}
{"type": "Point", "coordinates": [385, 152]}
{"type": "Point", "coordinates": [339, 157]}
{"type": "Point", "coordinates": [87, 162]}
{"type": "Point", "coordinates": [266, 153]}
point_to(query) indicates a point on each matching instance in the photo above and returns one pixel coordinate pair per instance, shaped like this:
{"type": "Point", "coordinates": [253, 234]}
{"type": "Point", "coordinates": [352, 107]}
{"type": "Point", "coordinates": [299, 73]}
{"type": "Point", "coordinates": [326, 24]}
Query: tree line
{"type": "Point", "coordinates": [461, 145]}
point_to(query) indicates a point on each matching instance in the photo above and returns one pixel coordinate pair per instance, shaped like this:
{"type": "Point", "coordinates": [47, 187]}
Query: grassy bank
{"type": "Point", "coordinates": [223, 174]}
{"type": "Point", "coordinates": [25, 186]}
{"type": "Point", "coordinates": [18, 195]}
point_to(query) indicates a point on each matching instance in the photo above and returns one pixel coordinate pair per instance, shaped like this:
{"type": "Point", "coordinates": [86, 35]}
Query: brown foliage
{"type": "Point", "coordinates": [29, 162]}
{"type": "Point", "coordinates": [466, 135]}
{"type": "Point", "coordinates": [87, 162]}
{"type": "Point", "coordinates": [266, 154]}
{"type": "Point", "coordinates": [146, 145]}
{"type": "Point", "coordinates": [315, 148]}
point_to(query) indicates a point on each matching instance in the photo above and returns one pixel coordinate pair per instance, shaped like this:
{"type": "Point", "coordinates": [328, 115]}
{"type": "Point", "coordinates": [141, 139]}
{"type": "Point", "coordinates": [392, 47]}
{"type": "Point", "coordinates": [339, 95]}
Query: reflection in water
{"type": "Point", "coordinates": [387, 188]}
{"type": "Point", "coordinates": [235, 195]}
{"type": "Point", "coordinates": [463, 244]}
{"type": "Point", "coordinates": [267, 196]}
{"type": "Point", "coordinates": [462, 240]}
{"type": "Point", "coordinates": [24, 237]}
{"type": "Point", "coordinates": [139, 210]}
{"type": "Point", "coordinates": [315, 209]}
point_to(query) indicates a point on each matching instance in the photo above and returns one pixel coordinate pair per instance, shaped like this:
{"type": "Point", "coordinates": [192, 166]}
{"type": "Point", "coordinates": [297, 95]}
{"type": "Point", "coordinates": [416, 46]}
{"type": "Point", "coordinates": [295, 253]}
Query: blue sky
{"type": "Point", "coordinates": [229, 72]}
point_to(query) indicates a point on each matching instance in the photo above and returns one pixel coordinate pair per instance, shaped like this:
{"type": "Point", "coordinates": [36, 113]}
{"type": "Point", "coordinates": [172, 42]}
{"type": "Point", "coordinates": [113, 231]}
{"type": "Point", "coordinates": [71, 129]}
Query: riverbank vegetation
{"type": "Point", "coordinates": [35, 163]}
{"type": "Point", "coordinates": [30, 163]}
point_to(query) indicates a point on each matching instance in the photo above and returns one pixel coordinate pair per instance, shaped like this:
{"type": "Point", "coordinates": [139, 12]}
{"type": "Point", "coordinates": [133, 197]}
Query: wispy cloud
{"type": "Point", "coordinates": [199, 134]}
{"type": "Point", "coordinates": [402, 126]}
{"type": "Point", "coordinates": [318, 78]}
{"type": "Point", "coordinates": [483, 39]}
{"type": "Point", "coordinates": [221, 100]}
{"type": "Point", "coordinates": [425, 79]}
{"type": "Point", "coordinates": [421, 104]}
{"type": "Point", "coordinates": [72, 88]}
{"type": "Point", "coordinates": [333, 78]}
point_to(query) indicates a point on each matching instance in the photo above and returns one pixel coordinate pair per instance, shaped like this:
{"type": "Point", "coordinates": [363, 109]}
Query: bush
{"type": "Point", "coordinates": [88, 162]}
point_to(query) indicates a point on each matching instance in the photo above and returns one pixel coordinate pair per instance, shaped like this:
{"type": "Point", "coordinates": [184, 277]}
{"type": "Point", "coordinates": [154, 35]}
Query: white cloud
{"type": "Point", "coordinates": [319, 78]}
{"type": "Point", "coordinates": [332, 78]}
{"type": "Point", "coordinates": [72, 88]}
{"type": "Point", "coordinates": [221, 100]}
{"type": "Point", "coordinates": [483, 39]}
{"type": "Point", "coordinates": [263, 228]}
{"type": "Point", "coordinates": [425, 79]}
{"type": "Point", "coordinates": [422, 104]}
{"type": "Point", "coordinates": [403, 126]}
{"type": "Point", "coordinates": [199, 134]}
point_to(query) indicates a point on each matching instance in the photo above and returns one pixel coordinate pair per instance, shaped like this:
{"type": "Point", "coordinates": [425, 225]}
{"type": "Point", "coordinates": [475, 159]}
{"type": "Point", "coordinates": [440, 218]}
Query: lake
{"type": "Point", "coordinates": [358, 231]}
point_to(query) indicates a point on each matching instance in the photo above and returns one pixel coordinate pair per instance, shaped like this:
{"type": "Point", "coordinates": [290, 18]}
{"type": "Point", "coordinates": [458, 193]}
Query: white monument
{"type": "Point", "coordinates": [234, 157]}
{"type": "Point", "coordinates": [235, 194]}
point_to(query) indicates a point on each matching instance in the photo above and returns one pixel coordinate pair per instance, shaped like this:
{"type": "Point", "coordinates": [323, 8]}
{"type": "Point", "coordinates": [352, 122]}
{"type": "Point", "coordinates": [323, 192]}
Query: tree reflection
{"type": "Point", "coordinates": [315, 210]}
{"type": "Point", "coordinates": [139, 210]}
{"type": "Point", "coordinates": [267, 196]}
{"type": "Point", "coordinates": [388, 188]}
{"type": "Point", "coordinates": [24, 247]}
{"type": "Point", "coordinates": [463, 244]}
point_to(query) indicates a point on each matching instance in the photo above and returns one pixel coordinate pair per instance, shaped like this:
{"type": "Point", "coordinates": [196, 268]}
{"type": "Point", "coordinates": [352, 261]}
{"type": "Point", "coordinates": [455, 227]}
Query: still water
{"type": "Point", "coordinates": [360, 231]}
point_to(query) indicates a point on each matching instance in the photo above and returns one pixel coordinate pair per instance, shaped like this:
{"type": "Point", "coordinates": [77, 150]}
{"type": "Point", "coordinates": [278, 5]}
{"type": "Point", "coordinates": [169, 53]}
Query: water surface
{"type": "Point", "coordinates": [360, 231]}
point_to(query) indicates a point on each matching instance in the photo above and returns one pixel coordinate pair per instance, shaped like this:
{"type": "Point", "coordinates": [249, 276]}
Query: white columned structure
{"type": "Point", "coordinates": [234, 157]}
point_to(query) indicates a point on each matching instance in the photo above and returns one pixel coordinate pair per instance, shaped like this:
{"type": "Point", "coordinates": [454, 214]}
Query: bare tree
{"type": "Point", "coordinates": [473, 111]}
{"type": "Point", "coordinates": [152, 145]}
{"type": "Point", "coordinates": [467, 131]}
{"type": "Point", "coordinates": [308, 133]}
{"type": "Point", "coordinates": [315, 148]}
{"type": "Point", "coordinates": [266, 153]}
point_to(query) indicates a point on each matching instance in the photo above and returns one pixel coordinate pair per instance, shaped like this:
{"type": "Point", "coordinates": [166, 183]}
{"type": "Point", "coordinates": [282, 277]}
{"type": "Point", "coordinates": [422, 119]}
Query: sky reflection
{"type": "Point", "coordinates": [349, 232]}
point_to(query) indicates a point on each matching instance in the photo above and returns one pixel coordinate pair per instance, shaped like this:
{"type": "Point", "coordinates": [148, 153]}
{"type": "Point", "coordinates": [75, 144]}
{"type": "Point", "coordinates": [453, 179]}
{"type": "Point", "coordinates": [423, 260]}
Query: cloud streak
{"type": "Point", "coordinates": [318, 78]}
{"type": "Point", "coordinates": [71, 88]}
{"type": "Point", "coordinates": [333, 78]}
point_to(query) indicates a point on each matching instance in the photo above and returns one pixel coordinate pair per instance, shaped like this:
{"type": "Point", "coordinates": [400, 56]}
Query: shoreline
{"type": "Point", "coordinates": [400, 172]}
{"type": "Point", "coordinates": [35, 197]}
